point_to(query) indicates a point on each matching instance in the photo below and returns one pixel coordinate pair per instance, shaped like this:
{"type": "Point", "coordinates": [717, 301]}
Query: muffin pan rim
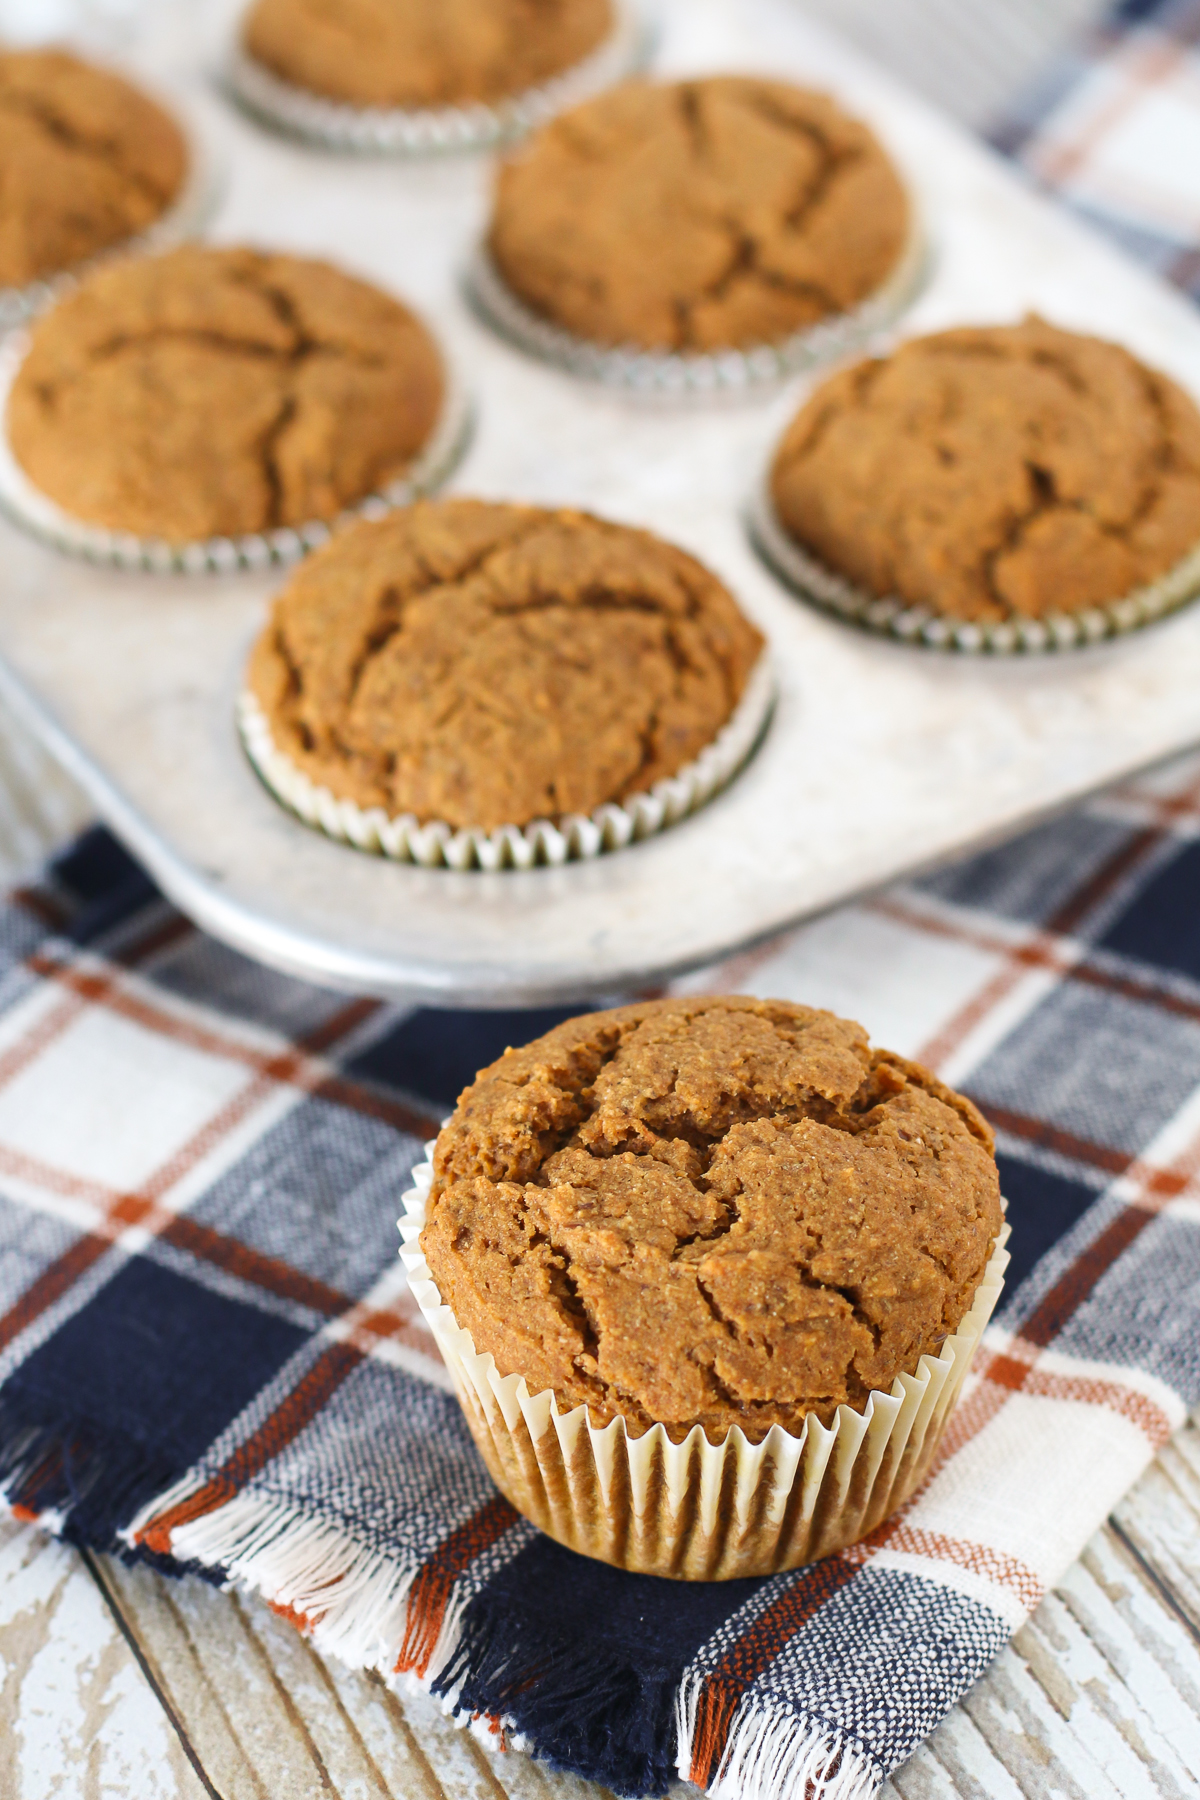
{"type": "Point", "coordinates": [879, 762]}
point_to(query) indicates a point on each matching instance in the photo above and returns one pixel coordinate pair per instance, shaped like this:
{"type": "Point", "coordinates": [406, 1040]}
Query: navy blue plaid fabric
{"type": "Point", "coordinates": [1113, 129]}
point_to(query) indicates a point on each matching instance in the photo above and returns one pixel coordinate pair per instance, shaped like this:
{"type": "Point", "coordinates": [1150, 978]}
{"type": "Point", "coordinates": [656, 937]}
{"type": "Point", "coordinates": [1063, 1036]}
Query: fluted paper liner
{"type": "Point", "coordinates": [423, 131]}
{"type": "Point", "coordinates": [695, 374]}
{"type": "Point", "coordinates": [891, 617]}
{"type": "Point", "coordinates": [695, 1510]}
{"type": "Point", "coordinates": [578, 836]}
{"type": "Point", "coordinates": [182, 219]}
{"type": "Point", "coordinates": [38, 513]}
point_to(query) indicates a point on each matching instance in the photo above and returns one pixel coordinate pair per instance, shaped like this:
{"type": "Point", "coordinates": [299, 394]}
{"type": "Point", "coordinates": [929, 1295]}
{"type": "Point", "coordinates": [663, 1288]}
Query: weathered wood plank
{"type": "Point", "coordinates": [1161, 1520]}
{"type": "Point", "coordinates": [270, 1718]}
{"type": "Point", "coordinates": [955, 1760]}
{"type": "Point", "coordinates": [78, 1719]}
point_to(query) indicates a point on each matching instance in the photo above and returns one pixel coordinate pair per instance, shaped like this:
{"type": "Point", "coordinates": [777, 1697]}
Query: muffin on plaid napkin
{"type": "Point", "coordinates": [708, 1274]}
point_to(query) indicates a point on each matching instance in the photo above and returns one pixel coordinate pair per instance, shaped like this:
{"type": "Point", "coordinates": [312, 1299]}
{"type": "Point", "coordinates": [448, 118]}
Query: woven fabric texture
{"type": "Point", "coordinates": [1113, 128]}
{"type": "Point", "coordinates": [208, 1356]}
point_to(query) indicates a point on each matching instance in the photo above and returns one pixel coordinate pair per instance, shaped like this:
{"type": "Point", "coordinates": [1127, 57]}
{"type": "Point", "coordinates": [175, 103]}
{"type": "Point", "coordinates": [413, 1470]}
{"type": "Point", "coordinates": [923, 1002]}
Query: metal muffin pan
{"type": "Point", "coordinates": [880, 759]}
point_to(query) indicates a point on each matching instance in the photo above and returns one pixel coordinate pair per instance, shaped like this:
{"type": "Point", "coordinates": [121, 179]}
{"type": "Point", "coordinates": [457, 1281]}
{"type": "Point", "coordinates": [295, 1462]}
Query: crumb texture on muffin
{"type": "Point", "coordinates": [704, 215]}
{"type": "Point", "coordinates": [212, 392]}
{"type": "Point", "coordinates": [714, 1211]}
{"type": "Point", "coordinates": [418, 53]}
{"type": "Point", "coordinates": [491, 665]}
{"type": "Point", "coordinates": [995, 472]}
{"type": "Point", "coordinates": [86, 161]}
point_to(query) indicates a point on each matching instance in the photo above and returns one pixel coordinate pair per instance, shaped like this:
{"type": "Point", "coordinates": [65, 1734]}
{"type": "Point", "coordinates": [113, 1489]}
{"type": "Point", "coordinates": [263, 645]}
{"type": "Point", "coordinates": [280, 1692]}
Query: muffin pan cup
{"type": "Point", "coordinates": [888, 616]}
{"type": "Point", "coordinates": [577, 837]}
{"type": "Point", "coordinates": [678, 374]}
{"type": "Point", "coordinates": [187, 215]}
{"type": "Point", "coordinates": [220, 555]}
{"type": "Point", "coordinates": [698, 1511]}
{"type": "Point", "coordinates": [425, 131]}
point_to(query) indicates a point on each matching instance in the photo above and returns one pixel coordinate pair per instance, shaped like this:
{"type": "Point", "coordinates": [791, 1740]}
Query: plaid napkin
{"type": "Point", "coordinates": [208, 1355]}
{"type": "Point", "coordinates": [1113, 128]}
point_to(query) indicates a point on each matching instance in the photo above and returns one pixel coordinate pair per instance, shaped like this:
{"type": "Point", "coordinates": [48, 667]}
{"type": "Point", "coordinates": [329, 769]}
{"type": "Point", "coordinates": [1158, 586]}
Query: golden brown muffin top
{"type": "Point", "coordinates": [491, 665]}
{"type": "Point", "coordinates": [703, 215]}
{"type": "Point", "coordinates": [86, 161]}
{"type": "Point", "coordinates": [713, 1211]}
{"type": "Point", "coordinates": [995, 472]}
{"type": "Point", "coordinates": [212, 392]}
{"type": "Point", "coordinates": [419, 53]}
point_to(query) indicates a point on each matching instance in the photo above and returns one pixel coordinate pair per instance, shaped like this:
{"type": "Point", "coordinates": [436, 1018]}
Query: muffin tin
{"type": "Point", "coordinates": [880, 758]}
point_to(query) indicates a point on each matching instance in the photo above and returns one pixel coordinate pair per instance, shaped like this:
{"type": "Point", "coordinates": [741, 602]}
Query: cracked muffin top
{"type": "Point", "coordinates": [415, 53]}
{"type": "Point", "coordinates": [213, 392]}
{"type": "Point", "coordinates": [995, 472]}
{"type": "Point", "coordinates": [491, 665]}
{"type": "Point", "coordinates": [86, 161]}
{"type": "Point", "coordinates": [710, 1211]}
{"type": "Point", "coordinates": [704, 215]}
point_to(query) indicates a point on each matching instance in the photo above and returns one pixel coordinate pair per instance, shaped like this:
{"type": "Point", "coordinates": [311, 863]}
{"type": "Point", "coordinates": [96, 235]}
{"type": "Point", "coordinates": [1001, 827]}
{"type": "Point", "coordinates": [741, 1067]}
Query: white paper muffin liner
{"type": "Point", "coordinates": [183, 219]}
{"type": "Point", "coordinates": [220, 555]}
{"type": "Point", "coordinates": [678, 374]}
{"type": "Point", "coordinates": [401, 131]}
{"type": "Point", "coordinates": [435, 844]}
{"type": "Point", "coordinates": [891, 617]}
{"type": "Point", "coordinates": [696, 1510]}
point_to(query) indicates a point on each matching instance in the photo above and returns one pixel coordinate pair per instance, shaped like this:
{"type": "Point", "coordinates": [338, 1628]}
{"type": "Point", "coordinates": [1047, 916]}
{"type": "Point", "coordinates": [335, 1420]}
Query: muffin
{"type": "Point", "coordinates": [211, 393]}
{"type": "Point", "coordinates": [88, 162]}
{"type": "Point", "coordinates": [994, 473]}
{"type": "Point", "coordinates": [487, 665]}
{"type": "Point", "coordinates": [422, 53]}
{"type": "Point", "coordinates": [710, 1223]}
{"type": "Point", "coordinates": [713, 214]}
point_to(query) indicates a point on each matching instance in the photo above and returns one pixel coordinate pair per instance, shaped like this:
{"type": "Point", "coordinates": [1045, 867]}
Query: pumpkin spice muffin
{"type": "Point", "coordinates": [422, 53]}
{"type": "Point", "coordinates": [994, 473]}
{"type": "Point", "coordinates": [710, 1211]}
{"type": "Point", "coordinates": [712, 214]}
{"type": "Point", "coordinates": [491, 665]}
{"type": "Point", "coordinates": [87, 162]}
{"type": "Point", "coordinates": [218, 392]}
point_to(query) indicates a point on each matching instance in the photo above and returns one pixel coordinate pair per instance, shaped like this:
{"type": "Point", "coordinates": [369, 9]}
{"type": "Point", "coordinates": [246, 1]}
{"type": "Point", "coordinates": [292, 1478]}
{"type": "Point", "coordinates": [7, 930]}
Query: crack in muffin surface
{"type": "Point", "coordinates": [711, 214]}
{"type": "Point", "coordinates": [713, 1211]}
{"type": "Point", "coordinates": [491, 665]}
{"type": "Point", "coordinates": [216, 392]}
{"type": "Point", "coordinates": [994, 473]}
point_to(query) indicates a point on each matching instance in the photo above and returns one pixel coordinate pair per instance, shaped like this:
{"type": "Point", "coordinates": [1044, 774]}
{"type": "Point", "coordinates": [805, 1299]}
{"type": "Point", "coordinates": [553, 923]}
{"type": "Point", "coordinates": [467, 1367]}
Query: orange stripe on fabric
{"type": "Point", "coordinates": [754, 1652]}
{"type": "Point", "coordinates": [285, 1424]}
{"type": "Point", "coordinates": [429, 1595]}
